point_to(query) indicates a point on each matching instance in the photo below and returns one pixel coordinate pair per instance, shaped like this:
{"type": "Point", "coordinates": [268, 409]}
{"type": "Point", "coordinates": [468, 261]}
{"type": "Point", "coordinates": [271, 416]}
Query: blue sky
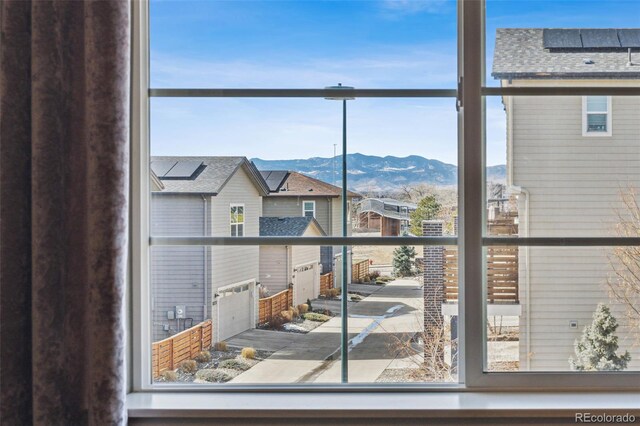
{"type": "Point", "coordinates": [312, 44]}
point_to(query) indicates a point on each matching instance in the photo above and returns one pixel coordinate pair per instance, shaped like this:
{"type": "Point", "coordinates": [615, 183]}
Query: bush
{"type": "Point", "coordinates": [332, 292]}
{"type": "Point", "coordinates": [374, 275]}
{"type": "Point", "coordinates": [169, 376]}
{"type": "Point", "coordinates": [204, 356]}
{"type": "Point", "coordinates": [248, 353]}
{"type": "Point", "coordinates": [294, 312]}
{"type": "Point", "coordinates": [309, 305]}
{"type": "Point", "coordinates": [189, 366]}
{"type": "Point", "coordinates": [403, 261]}
{"type": "Point", "coordinates": [220, 346]}
{"type": "Point", "coordinates": [303, 309]}
{"type": "Point", "coordinates": [323, 311]}
{"type": "Point", "coordinates": [234, 364]}
{"type": "Point", "coordinates": [279, 320]}
{"type": "Point", "coordinates": [313, 316]}
{"type": "Point", "coordinates": [213, 376]}
{"type": "Point", "coordinates": [286, 315]}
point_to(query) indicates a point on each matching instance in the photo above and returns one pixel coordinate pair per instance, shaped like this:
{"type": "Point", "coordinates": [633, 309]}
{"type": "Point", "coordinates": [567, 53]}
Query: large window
{"type": "Point", "coordinates": [394, 127]}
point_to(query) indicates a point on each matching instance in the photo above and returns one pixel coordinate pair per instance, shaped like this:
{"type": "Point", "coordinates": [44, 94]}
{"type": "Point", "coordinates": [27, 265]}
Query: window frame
{"type": "Point", "coordinates": [471, 240]}
{"type": "Point", "coordinates": [236, 224]}
{"type": "Point", "coordinates": [313, 211]}
{"type": "Point", "coordinates": [585, 119]}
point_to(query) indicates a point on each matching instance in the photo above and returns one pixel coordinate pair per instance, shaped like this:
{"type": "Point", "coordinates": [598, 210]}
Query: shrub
{"type": "Point", "coordinates": [279, 320]}
{"type": "Point", "coordinates": [189, 366]}
{"type": "Point", "coordinates": [403, 261]}
{"type": "Point", "coordinates": [309, 305]}
{"type": "Point", "coordinates": [303, 309]}
{"type": "Point", "coordinates": [214, 376]}
{"type": "Point", "coordinates": [313, 316]}
{"type": "Point", "coordinates": [294, 312]}
{"type": "Point", "coordinates": [234, 364]}
{"type": "Point", "coordinates": [286, 315]}
{"type": "Point", "coordinates": [169, 376]}
{"type": "Point", "coordinates": [204, 356]}
{"type": "Point", "coordinates": [374, 275]}
{"type": "Point", "coordinates": [220, 346]}
{"type": "Point", "coordinates": [323, 311]}
{"type": "Point", "coordinates": [248, 353]}
{"type": "Point", "coordinates": [332, 292]}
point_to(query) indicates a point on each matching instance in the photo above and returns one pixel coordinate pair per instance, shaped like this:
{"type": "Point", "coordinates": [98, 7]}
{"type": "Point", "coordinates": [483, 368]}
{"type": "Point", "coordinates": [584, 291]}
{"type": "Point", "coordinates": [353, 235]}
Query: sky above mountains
{"type": "Point", "coordinates": [313, 44]}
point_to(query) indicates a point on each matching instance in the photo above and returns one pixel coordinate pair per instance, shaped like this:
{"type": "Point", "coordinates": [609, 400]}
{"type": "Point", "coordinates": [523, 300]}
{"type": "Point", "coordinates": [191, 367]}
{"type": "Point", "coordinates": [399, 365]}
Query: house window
{"type": "Point", "coordinates": [520, 244]}
{"type": "Point", "coordinates": [309, 208]}
{"type": "Point", "coordinates": [236, 216]}
{"type": "Point", "coordinates": [596, 115]}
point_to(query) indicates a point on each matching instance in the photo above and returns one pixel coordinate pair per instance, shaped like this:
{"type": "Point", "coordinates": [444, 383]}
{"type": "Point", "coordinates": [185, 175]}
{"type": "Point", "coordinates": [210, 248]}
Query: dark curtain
{"type": "Point", "coordinates": [64, 161]}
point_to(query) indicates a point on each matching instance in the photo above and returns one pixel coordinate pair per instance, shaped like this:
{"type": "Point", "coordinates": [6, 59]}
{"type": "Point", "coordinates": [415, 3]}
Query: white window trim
{"type": "Point", "coordinates": [314, 207]}
{"type": "Point", "coordinates": [585, 123]}
{"type": "Point", "coordinates": [471, 244]}
{"type": "Point", "coordinates": [243, 223]}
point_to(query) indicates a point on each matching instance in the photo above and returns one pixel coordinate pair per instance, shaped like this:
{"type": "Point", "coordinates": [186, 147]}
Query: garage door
{"type": "Point", "coordinates": [234, 310]}
{"type": "Point", "coordinates": [304, 286]}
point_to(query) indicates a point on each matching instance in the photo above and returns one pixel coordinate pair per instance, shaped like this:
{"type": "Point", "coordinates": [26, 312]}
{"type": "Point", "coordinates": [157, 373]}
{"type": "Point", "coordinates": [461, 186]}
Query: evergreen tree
{"type": "Point", "coordinates": [596, 349]}
{"type": "Point", "coordinates": [428, 209]}
{"type": "Point", "coordinates": [403, 260]}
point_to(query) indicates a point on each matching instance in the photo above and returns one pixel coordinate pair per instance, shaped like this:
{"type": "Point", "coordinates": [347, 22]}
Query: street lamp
{"type": "Point", "coordinates": [344, 347]}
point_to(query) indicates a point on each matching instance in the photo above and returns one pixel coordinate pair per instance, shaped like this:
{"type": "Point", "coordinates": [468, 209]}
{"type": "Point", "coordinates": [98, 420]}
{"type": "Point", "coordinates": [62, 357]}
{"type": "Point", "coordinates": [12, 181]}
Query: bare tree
{"type": "Point", "coordinates": [624, 285]}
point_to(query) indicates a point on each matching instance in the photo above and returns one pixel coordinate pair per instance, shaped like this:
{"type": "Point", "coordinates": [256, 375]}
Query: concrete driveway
{"type": "Point", "coordinates": [375, 323]}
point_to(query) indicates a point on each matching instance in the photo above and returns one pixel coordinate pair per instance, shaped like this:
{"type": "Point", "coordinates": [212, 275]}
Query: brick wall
{"type": "Point", "coordinates": [433, 289]}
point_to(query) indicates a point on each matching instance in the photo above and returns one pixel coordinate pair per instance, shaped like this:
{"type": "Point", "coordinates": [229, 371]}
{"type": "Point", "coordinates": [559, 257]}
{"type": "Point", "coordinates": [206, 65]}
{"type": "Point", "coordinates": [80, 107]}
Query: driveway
{"type": "Point", "coordinates": [375, 323]}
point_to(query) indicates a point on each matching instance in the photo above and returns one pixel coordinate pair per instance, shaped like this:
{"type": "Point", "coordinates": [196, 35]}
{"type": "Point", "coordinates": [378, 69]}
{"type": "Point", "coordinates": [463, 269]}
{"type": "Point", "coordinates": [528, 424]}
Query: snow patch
{"type": "Point", "coordinates": [397, 169]}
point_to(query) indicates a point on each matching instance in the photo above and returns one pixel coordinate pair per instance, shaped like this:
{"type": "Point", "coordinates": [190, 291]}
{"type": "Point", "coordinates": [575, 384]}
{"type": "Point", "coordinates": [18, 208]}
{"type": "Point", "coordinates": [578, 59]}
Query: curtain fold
{"type": "Point", "coordinates": [64, 185]}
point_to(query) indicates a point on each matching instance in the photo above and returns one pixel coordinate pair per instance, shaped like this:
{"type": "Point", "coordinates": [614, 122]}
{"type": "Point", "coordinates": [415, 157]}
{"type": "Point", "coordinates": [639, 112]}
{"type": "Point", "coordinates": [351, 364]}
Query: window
{"type": "Point", "coordinates": [530, 205]}
{"type": "Point", "coordinates": [596, 115]}
{"type": "Point", "coordinates": [309, 208]}
{"type": "Point", "coordinates": [236, 215]}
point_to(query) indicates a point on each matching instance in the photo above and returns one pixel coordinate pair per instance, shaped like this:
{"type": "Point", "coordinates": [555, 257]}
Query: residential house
{"type": "Point", "coordinates": [205, 196]}
{"type": "Point", "coordinates": [295, 194]}
{"type": "Point", "coordinates": [292, 266]}
{"type": "Point", "coordinates": [385, 215]}
{"type": "Point", "coordinates": [568, 158]}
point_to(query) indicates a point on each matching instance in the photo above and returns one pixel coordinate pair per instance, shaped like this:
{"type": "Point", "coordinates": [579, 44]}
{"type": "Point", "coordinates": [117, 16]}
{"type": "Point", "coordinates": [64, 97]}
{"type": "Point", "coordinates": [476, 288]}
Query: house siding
{"type": "Point", "coordinates": [282, 206]}
{"type": "Point", "coordinates": [574, 184]}
{"type": "Point", "coordinates": [177, 273]}
{"type": "Point", "coordinates": [235, 264]}
{"type": "Point", "coordinates": [274, 265]}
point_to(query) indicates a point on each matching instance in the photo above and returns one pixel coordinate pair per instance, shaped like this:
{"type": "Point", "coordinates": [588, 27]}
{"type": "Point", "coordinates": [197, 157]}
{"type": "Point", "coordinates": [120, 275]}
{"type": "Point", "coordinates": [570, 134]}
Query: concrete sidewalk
{"type": "Point", "coordinates": [374, 325]}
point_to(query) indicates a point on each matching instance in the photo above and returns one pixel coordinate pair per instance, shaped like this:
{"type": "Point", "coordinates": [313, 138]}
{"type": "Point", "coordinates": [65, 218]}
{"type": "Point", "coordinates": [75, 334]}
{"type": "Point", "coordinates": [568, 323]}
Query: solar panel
{"type": "Point", "coordinates": [161, 167]}
{"type": "Point", "coordinates": [184, 169]}
{"type": "Point", "coordinates": [600, 38]}
{"type": "Point", "coordinates": [629, 38]}
{"type": "Point", "coordinates": [561, 39]}
{"type": "Point", "coordinates": [275, 179]}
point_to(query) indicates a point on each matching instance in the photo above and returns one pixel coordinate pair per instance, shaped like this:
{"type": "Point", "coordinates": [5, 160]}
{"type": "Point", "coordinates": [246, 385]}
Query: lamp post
{"type": "Point", "coordinates": [344, 346]}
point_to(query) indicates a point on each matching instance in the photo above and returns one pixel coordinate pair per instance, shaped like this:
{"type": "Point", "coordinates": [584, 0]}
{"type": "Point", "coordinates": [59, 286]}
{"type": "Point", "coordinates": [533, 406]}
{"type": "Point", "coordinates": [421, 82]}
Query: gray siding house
{"type": "Point", "coordinates": [205, 196]}
{"type": "Point", "coordinates": [295, 194]}
{"type": "Point", "coordinates": [568, 159]}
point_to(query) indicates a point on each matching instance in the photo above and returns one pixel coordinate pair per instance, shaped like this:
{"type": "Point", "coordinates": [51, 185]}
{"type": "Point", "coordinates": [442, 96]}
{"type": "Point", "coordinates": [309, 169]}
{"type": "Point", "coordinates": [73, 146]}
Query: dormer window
{"type": "Point", "coordinates": [596, 116]}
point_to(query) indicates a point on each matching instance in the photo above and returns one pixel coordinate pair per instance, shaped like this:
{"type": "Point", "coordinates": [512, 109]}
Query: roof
{"type": "Point", "coordinates": [274, 178]}
{"type": "Point", "coordinates": [394, 202]}
{"type": "Point", "coordinates": [208, 178]}
{"type": "Point", "coordinates": [287, 226]}
{"type": "Point", "coordinates": [520, 53]}
{"type": "Point", "coordinates": [297, 184]}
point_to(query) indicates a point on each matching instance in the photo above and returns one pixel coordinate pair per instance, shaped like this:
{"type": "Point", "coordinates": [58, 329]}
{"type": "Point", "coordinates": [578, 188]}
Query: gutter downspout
{"type": "Point", "coordinates": [206, 268]}
{"type": "Point", "coordinates": [527, 196]}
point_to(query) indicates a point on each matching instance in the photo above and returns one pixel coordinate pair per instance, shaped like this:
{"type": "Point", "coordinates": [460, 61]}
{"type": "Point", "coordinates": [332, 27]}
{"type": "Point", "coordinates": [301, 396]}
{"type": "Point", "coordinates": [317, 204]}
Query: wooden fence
{"type": "Point", "coordinates": [360, 271]}
{"type": "Point", "coordinates": [502, 275]}
{"type": "Point", "coordinates": [168, 353]}
{"type": "Point", "coordinates": [271, 306]}
{"type": "Point", "coordinates": [326, 282]}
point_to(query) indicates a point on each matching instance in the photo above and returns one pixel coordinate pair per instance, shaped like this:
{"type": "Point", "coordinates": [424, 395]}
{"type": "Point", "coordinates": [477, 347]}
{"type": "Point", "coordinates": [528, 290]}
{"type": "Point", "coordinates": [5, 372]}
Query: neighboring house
{"type": "Point", "coordinates": [205, 196]}
{"type": "Point", "coordinates": [292, 265]}
{"type": "Point", "coordinates": [294, 194]}
{"type": "Point", "coordinates": [568, 158]}
{"type": "Point", "coordinates": [385, 215]}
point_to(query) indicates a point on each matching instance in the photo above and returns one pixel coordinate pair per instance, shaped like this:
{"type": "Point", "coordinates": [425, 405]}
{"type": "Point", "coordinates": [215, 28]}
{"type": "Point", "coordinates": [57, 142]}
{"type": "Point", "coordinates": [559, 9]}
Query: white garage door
{"type": "Point", "coordinates": [234, 310]}
{"type": "Point", "coordinates": [304, 286]}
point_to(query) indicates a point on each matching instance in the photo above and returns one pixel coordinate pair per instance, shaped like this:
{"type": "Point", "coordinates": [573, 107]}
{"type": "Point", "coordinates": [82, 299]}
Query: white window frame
{"type": "Point", "coordinates": [472, 241]}
{"type": "Point", "coordinates": [304, 211]}
{"type": "Point", "coordinates": [585, 119]}
{"type": "Point", "coordinates": [236, 224]}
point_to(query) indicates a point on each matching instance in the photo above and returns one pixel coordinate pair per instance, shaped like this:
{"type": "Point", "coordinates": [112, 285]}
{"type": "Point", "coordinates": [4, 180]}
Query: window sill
{"type": "Point", "coordinates": [380, 405]}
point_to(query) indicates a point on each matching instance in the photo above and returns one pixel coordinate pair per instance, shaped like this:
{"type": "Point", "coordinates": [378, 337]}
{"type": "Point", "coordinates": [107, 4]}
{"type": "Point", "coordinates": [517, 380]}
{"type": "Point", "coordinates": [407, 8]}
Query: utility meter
{"type": "Point", "coordinates": [181, 312]}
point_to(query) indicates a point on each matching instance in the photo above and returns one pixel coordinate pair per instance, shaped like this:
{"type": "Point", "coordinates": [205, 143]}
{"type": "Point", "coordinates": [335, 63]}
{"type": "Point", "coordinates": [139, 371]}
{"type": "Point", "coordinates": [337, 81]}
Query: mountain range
{"type": "Point", "coordinates": [373, 174]}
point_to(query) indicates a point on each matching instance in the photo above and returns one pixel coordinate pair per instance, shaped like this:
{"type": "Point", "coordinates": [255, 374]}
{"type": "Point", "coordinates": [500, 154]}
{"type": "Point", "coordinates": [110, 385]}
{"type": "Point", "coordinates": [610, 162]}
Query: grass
{"type": "Point", "coordinates": [220, 346]}
{"type": "Point", "coordinates": [303, 309]}
{"type": "Point", "coordinates": [189, 366]}
{"type": "Point", "coordinates": [313, 316]}
{"type": "Point", "coordinates": [248, 353]}
{"type": "Point", "coordinates": [234, 364]}
{"type": "Point", "coordinates": [169, 376]}
{"type": "Point", "coordinates": [204, 356]}
{"type": "Point", "coordinates": [213, 376]}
